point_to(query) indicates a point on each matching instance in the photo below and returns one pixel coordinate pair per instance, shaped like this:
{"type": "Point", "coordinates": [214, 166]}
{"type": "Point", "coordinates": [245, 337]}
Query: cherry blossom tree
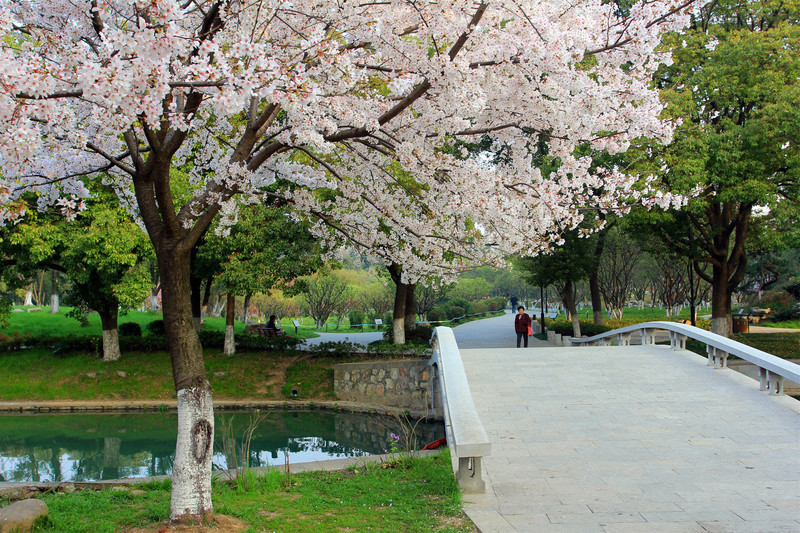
{"type": "Point", "coordinates": [320, 95]}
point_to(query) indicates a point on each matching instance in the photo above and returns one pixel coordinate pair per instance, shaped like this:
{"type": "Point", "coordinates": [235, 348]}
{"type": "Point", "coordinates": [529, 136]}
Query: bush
{"type": "Point", "coordinates": [420, 335]}
{"type": "Point", "coordinates": [130, 329]}
{"type": "Point", "coordinates": [794, 290]}
{"type": "Point", "coordinates": [356, 317]}
{"type": "Point", "coordinates": [782, 315]}
{"type": "Point", "coordinates": [589, 329]}
{"type": "Point", "coordinates": [15, 341]}
{"type": "Point", "coordinates": [338, 349]}
{"type": "Point", "coordinates": [156, 327]}
{"type": "Point", "coordinates": [249, 343]}
{"type": "Point", "coordinates": [434, 315]}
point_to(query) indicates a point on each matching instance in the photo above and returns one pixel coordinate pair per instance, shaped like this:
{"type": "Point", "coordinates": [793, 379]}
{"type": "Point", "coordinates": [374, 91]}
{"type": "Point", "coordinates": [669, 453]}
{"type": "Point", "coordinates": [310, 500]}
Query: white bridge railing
{"type": "Point", "coordinates": [465, 434]}
{"type": "Point", "coordinates": [772, 370]}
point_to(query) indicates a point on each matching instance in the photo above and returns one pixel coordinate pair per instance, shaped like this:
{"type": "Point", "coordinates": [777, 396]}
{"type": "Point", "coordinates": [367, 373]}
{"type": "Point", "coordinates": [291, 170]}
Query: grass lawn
{"type": "Point", "coordinates": [43, 323]}
{"type": "Point", "coordinates": [37, 374]}
{"type": "Point", "coordinates": [793, 324]}
{"type": "Point", "coordinates": [409, 495]}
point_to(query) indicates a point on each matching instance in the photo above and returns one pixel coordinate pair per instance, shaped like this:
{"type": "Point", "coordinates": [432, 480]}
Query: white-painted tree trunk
{"type": "Point", "coordinates": [721, 326]}
{"type": "Point", "coordinates": [54, 304]}
{"type": "Point", "coordinates": [399, 330]}
{"type": "Point", "coordinates": [191, 471]}
{"type": "Point", "coordinates": [230, 343]}
{"type": "Point", "coordinates": [111, 344]}
{"type": "Point", "coordinates": [28, 298]}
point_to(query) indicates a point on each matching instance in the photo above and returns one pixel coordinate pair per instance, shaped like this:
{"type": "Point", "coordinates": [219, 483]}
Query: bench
{"type": "Point", "coordinates": [263, 331]}
{"type": "Point", "coordinates": [465, 434]}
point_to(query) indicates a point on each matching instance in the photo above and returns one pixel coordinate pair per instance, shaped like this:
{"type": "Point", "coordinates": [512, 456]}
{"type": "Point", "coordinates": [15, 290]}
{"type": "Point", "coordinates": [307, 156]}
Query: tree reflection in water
{"type": "Point", "coordinates": [90, 447]}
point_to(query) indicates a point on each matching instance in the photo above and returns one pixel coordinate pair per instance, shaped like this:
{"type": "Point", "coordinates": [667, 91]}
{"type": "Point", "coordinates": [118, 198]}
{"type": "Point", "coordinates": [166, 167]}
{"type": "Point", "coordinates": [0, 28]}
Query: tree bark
{"type": "Point", "coordinates": [569, 303]}
{"type": "Point", "coordinates": [108, 319]}
{"type": "Point", "coordinates": [230, 318]}
{"type": "Point", "coordinates": [28, 298]}
{"type": "Point", "coordinates": [197, 309]}
{"type": "Point", "coordinates": [245, 306]}
{"type": "Point", "coordinates": [191, 472]}
{"type": "Point", "coordinates": [399, 313]}
{"type": "Point", "coordinates": [411, 310]}
{"type": "Point", "coordinates": [594, 279]}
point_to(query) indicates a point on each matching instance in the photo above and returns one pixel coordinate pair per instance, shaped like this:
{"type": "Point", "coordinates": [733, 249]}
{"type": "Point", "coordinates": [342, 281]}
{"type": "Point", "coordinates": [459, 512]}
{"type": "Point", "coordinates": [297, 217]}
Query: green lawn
{"type": "Point", "coordinates": [43, 323]}
{"type": "Point", "coordinates": [38, 374]}
{"type": "Point", "coordinates": [410, 495]}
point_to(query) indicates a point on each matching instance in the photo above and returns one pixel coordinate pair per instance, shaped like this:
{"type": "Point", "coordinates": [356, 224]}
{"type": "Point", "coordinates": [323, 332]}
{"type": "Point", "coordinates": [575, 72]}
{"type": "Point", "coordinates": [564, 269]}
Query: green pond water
{"type": "Point", "coordinates": [90, 447]}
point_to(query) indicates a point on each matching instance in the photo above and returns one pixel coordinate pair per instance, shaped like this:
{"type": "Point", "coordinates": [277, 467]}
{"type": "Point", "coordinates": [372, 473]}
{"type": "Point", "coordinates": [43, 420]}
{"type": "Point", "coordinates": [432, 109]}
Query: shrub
{"type": "Point", "coordinates": [356, 317]}
{"type": "Point", "coordinates": [156, 327]}
{"type": "Point", "coordinates": [454, 311]}
{"type": "Point", "coordinates": [15, 341]}
{"type": "Point", "coordinates": [130, 329]}
{"type": "Point", "coordinates": [564, 327]}
{"type": "Point", "coordinates": [421, 335]}
{"type": "Point", "coordinates": [794, 290]}
{"type": "Point", "coordinates": [254, 343]}
{"type": "Point", "coordinates": [338, 349]}
{"type": "Point", "coordinates": [781, 315]}
{"type": "Point", "coordinates": [434, 315]}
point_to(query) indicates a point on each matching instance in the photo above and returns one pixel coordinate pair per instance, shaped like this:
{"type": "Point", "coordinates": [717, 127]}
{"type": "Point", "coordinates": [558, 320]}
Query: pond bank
{"type": "Point", "coordinates": [71, 406]}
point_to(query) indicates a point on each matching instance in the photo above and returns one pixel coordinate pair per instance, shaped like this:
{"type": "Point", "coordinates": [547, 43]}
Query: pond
{"type": "Point", "coordinates": [91, 447]}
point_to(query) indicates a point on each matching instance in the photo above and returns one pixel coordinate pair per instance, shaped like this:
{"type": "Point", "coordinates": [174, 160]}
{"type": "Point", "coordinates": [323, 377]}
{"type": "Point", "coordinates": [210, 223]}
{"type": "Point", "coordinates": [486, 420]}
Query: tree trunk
{"type": "Point", "coordinates": [245, 306]}
{"type": "Point", "coordinates": [720, 305]}
{"type": "Point", "coordinates": [230, 316]}
{"type": "Point", "coordinates": [399, 313]}
{"type": "Point", "coordinates": [28, 298]}
{"type": "Point", "coordinates": [108, 319]}
{"type": "Point", "coordinates": [569, 303]}
{"type": "Point", "coordinates": [411, 310]}
{"type": "Point", "coordinates": [197, 309]}
{"type": "Point", "coordinates": [191, 471]}
{"type": "Point", "coordinates": [597, 299]}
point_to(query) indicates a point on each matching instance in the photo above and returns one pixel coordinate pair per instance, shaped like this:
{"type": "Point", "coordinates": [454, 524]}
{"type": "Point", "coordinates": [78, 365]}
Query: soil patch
{"type": "Point", "coordinates": [221, 524]}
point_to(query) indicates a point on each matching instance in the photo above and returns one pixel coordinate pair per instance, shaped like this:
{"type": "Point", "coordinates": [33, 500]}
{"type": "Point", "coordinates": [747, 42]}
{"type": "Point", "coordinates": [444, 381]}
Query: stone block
{"type": "Point", "coordinates": [20, 517]}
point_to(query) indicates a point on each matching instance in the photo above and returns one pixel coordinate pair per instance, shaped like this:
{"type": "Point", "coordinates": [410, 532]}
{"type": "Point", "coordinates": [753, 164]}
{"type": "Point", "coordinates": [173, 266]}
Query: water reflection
{"type": "Point", "coordinates": [89, 447]}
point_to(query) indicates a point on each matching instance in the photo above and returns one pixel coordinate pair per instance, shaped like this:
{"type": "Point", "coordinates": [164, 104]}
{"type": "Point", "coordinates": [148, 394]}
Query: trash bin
{"type": "Point", "coordinates": [741, 325]}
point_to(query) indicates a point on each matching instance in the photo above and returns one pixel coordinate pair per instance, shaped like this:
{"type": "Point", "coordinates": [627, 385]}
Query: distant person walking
{"type": "Point", "coordinates": [522, 325]}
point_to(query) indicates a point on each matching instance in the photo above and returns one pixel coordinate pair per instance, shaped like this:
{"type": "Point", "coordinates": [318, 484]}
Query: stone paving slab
{"type": "Point", "coordinates": [630, 439]}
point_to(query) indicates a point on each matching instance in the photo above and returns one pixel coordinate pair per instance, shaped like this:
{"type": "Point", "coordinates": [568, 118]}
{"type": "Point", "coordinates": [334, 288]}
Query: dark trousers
{"type": "Point", "coordinates": [522, 336]}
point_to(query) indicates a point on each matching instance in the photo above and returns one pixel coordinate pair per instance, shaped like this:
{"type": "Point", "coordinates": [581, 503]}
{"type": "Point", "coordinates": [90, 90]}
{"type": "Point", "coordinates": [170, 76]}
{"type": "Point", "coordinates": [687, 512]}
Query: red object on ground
{"type": "Point", "coordinates": [435, 444]}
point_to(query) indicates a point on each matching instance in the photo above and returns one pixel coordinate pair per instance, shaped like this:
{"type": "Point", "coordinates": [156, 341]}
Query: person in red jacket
{"type": "Point", "coordinates": [522, 324]}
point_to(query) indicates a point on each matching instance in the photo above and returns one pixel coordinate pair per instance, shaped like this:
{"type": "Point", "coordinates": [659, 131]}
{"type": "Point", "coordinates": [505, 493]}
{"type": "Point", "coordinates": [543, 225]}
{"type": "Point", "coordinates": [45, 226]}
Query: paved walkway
{"type": "Point", "coordinates": [627, 439]}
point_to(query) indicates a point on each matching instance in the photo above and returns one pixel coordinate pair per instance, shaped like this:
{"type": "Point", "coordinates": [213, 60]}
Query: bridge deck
{"type": "Point", "coordinates": [624, 439]}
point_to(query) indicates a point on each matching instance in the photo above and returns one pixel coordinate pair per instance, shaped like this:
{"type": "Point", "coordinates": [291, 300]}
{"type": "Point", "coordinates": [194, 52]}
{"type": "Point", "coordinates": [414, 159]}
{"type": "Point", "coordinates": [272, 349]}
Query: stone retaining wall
{"type": "Point", "coordinates": [406, 384]}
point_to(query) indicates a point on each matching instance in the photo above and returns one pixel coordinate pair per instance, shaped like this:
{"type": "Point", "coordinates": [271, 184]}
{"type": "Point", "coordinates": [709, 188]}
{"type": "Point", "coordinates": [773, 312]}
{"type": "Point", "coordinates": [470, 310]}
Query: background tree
{"type": "Point", "coordinates": [735, 84]}
{"type": "Point", "coordinates": [617, 270]}
{"type": "Point", "coordinates": [563, 267]}
{"type": "Point", "coordinates": [266, 250]}
{"type": "Point", "coordinates": [324, 296]}
{"type": "Point", "coordinates": [102, 252]}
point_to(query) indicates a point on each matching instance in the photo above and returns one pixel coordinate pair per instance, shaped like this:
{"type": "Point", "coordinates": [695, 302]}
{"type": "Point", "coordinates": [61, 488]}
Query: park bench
{"type": "Point", "coordinates": [263, 331]}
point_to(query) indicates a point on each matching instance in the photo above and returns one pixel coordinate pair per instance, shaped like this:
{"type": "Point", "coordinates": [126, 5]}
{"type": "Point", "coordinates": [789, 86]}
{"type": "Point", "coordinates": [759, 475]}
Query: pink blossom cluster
{"type": "Point", "coordinates": [364, 100]}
